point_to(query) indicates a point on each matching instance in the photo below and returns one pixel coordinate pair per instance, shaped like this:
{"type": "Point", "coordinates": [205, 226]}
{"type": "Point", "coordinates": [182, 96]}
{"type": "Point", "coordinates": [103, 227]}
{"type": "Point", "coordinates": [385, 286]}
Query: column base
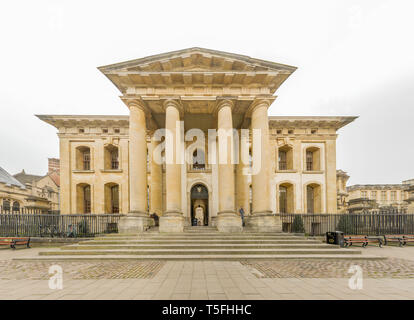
{"type": "Point", "coordinates": [135, 223]}
{"type": "Point", "coordinates": [263, 222]}
{"type": "Point", "coordinates": [172, 222]}
{"type": "Point", "coordinates": [228, 221]}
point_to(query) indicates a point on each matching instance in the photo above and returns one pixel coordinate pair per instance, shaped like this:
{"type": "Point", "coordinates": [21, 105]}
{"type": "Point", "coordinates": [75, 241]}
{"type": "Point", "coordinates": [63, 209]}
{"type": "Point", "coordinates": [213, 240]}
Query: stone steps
{"type": "Point", "coordinates": [213, 257]}
{"type": "Point", "coordinates": [204, 245]}
{"type": "Point", "coordinates": [223, 251]}
{"type": "Point", "coordinates": [190, 241]}
{"type": "Point", "coordinates": [189, 245]}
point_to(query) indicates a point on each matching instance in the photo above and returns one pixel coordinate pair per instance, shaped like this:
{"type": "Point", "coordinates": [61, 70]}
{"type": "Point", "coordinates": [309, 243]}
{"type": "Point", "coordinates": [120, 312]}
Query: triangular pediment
{"type": "Point", "coordinates": [196, 59]}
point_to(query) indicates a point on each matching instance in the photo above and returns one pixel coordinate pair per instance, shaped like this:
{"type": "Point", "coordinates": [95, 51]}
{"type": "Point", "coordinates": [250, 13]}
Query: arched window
{"type": "Point", "coordinates": [313, 159]}
{"type": "Point", "coordinates": [16, 206]}
{"type": "Point", "coordinates": [83, 158]}
{"type": "Point", "coordinates": [83, 198]}
{"type": "Point", "coordinates": [285, 158]}
{"type": "Point", "coordinates": [111, 157]}
{"type": "Point", "coordinates": [199, 160]}
{"type": "Point", "coordinates": [6, 205]}
{"type": "Point", "coordinates": [313, 198]}
{"type": "Point", "coordinates": [286, 199]}
{"type": "Point", "coordinates": [112, 198]}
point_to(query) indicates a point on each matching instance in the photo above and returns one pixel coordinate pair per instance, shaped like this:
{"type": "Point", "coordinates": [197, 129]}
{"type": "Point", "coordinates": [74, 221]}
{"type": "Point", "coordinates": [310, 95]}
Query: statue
{"type": "Point", "coordinates": [199, 215]}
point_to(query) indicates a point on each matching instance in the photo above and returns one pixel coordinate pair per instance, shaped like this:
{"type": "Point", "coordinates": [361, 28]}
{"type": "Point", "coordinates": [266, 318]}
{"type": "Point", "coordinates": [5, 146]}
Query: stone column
{"type": "Point", "coordinates": [137, 219]}
{"type": "Point", "coordinates": [242, 187]}
{"type": "Point", "coordinates": [172, 220]}
{"type": "Point", "coordinates": [227, 219]}
{"type": "Point", "coordinates": [262, 219]}
{"type": "Point", "coordinates": [156, 181]}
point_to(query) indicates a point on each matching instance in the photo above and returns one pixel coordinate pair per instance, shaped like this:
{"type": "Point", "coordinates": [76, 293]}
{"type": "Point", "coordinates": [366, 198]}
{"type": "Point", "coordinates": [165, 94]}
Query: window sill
{"type": "Point", "coordinates": [313, 172]}
{"type": "Point", "coordinates": [286, 171]}
{"type": "Point", "coordinates": [83, 171]}
{"type": "Point", "coordinates": [111, 170]}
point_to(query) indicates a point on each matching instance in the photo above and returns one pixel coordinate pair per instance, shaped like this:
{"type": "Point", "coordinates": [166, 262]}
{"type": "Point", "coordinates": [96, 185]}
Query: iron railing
{"type": "Point", "coordinates": [52, 225]}
{"type": "Point", "coordinates": [375, 223]}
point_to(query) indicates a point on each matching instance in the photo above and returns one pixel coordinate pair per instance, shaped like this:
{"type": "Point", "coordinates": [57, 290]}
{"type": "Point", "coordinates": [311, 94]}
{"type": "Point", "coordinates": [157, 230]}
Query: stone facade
{"type": "Point", "coordinates": [374, 197]}
{"type": "Point", "coordinates": [107, 162]}
{"type": "Point", "coordinates": [29, 193]}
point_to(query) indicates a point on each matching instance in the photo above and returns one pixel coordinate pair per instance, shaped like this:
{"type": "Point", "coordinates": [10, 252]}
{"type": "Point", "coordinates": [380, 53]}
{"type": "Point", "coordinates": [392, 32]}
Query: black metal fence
{"type": "Point", "coordinates": [20, 210]}
{"type": "Point", "coordinates": [376, 224]}
{"type": "Point", "coordinates": [52, 225]}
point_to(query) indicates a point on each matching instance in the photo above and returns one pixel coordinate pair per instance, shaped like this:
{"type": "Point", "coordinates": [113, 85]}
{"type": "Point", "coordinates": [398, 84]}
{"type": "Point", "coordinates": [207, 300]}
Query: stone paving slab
{"type": "Point", "coordinates": [202, 280]}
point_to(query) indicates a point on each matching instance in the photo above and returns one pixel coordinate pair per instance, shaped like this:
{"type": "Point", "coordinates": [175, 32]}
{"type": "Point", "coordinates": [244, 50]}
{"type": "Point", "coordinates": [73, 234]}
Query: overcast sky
{"type": "Point", "coordinates": [353, 58]}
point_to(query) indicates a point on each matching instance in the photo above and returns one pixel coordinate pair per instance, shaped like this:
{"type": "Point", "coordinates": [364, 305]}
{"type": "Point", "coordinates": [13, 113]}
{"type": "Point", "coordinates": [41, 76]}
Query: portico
{"type": "Point", "coordinates": [197, 89]}
{"type": "Point", "coordinates": [198, 117]}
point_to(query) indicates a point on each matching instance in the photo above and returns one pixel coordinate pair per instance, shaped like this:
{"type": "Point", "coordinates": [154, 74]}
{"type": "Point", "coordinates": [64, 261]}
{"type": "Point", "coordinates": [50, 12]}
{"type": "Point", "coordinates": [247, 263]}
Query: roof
{"type": "Point", "coordinates": [196, 66]}
{"type": "Point", "coordinates": [27, 178]}
{"type": "Point", "coordinates": [9, 180]}
{"type": "Point", "coordinates": [317, 121]}
{"type": "Point", "coordinates": [55, 177]}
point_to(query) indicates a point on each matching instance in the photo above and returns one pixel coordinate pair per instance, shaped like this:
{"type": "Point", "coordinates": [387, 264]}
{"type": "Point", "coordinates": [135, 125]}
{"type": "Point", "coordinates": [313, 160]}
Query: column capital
{"type": "Point", "coordinates": [221, 103]}
{"type": "Point", "coordinates": [135, 103]}
{"type": "Point", "coordinates": [260, 102]}
{"type": "Point", "coordinates": [173, 102]}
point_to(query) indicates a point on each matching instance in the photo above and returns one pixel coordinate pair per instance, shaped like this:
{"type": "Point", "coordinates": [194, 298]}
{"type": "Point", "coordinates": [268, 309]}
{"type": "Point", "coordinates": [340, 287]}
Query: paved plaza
{"type": "Point", "coordinates": [391, 278]}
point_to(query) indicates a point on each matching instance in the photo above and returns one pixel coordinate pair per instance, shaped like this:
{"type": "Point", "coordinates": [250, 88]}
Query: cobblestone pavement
{"type": "Point", "coordinates": [319, 268]}
{"type": "Point", "coordinates": [38, 270]}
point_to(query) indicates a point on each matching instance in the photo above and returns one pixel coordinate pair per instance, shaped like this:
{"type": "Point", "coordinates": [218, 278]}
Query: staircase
{"type": "Point", "coordinates": [200, 243]}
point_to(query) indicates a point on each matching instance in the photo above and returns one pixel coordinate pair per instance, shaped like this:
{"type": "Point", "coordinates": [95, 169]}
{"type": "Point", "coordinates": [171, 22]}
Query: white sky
{"type": "Point", "coordinates": [353, 58]}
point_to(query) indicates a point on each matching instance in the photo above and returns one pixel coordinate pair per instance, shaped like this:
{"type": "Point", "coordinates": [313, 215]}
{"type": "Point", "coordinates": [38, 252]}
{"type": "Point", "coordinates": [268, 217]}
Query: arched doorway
{"type": "Point", "coordinates": [199, 205]}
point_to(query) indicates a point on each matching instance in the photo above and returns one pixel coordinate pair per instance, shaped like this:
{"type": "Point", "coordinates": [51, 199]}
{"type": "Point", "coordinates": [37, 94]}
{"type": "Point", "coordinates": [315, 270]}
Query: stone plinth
{"type": "Point", "coordinates": [134, 223]}
{"type": "Point", "coordinates": [229, 222]}
{"type": "Point", "coordinates": [171, 222]}
{"type": "Point", "coordinates": [263, 222]}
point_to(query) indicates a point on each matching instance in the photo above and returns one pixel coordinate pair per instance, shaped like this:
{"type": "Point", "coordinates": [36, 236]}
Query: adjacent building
{"type": "Point", "coordinates": [27, 193]}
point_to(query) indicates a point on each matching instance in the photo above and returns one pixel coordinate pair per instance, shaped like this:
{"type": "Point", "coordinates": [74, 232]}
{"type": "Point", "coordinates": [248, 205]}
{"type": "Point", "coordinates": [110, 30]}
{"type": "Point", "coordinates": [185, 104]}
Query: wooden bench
{"type": "Point", "coordinates": [363, 239]}
{"type": "Point", "coordinates": [402, 239]}
{"type": "Point", "coordinates": [13, 241]}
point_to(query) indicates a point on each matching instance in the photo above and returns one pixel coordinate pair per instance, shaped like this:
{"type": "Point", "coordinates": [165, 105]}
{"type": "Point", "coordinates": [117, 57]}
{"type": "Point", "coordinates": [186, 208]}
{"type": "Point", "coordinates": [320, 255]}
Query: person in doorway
{"type": "Point", "coordinates": [241, 211]}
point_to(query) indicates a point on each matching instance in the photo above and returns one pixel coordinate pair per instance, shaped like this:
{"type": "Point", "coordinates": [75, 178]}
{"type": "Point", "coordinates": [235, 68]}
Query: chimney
{"type": "Point", "coordinates": [53, 165]}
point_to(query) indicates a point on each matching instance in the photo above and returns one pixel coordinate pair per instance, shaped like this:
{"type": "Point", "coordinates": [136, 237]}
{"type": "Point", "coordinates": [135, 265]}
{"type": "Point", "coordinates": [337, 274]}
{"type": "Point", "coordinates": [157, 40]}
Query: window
{"type": "Point", "coordinates": [285, 158]}
{"type": "Point", "coordinates": [393, 195]}
{"type": "Point", "coordinates": [286, 198]}
{"type": "Point", "coordinates": [81, 130]}
{"type": "Point", "coordinates": [313, 198]}
{"type": "Point", "coordinates": [279, 131]}
{"type": "Point", "coordinates": [87, 199]}
{"type": "Point", "coordinates": [105, 130]}
{"type": "Point", "coordinates": [111, 159]}
{"type": "Point", "coordinates": [83, 158]}
{"type": "Point", "coordinates": [363, 194]}
{"type": "Point", "coordinates": [373, 195]}
{"type": "Point", "coordinates": [16, 206]}
{"type": "Point", "coordinates": [282, 160]}
{"type": "Point", "coordinates": [290, 131]}
{"type": "Point", "coordinates": [199, 162]}
{"type": "Point", "coordinates": [309, 160]}
{"type": "Point", "coordinates": [313, 131]}
{"type": "Point", "coordinates": [87, 160]}
{"type": "Point", "coordinates": [116, 130]}
{"type": "Point", "coordinates": [312, 159]}
{"type": "Point", "coordinates": [6, 205]}
{"type": "Point", "coordinates": [384, 195]}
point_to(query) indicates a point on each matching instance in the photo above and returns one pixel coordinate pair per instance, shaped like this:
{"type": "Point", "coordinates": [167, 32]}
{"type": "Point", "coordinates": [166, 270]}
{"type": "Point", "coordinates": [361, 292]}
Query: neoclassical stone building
{"type": "Point", "coordinates": [108, 166]}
